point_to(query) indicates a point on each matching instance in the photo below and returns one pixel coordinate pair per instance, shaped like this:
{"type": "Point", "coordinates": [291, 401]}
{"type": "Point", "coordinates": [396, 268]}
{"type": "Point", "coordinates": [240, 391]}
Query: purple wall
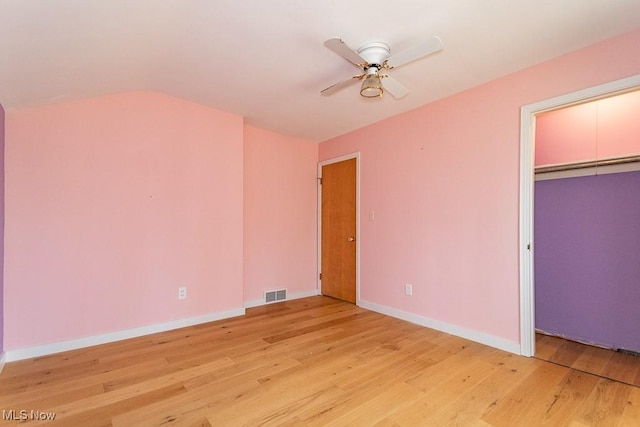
{"type": "Point", "coordinates": [587, 258]}
{"type": "Point", "coordinates": [1, 229]}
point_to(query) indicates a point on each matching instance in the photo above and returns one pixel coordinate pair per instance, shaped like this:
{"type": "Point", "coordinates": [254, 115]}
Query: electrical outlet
{"type": "Point", "coordinates": [182, 292]}
{"type": "Point", "coordinates": [408, 289]}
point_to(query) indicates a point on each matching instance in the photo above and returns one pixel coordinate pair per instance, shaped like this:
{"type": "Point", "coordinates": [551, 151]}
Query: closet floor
{"type": "Point", "coordinates": [605, 363]}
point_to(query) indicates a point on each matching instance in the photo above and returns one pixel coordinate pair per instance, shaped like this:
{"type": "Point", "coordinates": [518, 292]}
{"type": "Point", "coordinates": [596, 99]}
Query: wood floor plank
{"type": "Point", "coordinates": [68, 358]}
{"type": "Point", "coordinates": [525, 404]}
{"type": "Point", "coordinates": [220, 389]}
{"type": "Point", "coordinates": [42, 378]}
{"type": "Point", "coordinates": [506, 372]}
{"type": "Point", "coordinates": [567, 353]}
{"type": "Point", "coordinates": [433, 407]}
{"type": "Point", "coordinates": [459, 364]}
{"type": "Point", "coordinates": [599, 361]}
{"type": "Point", "coordinates": [593, 360]}
{"type": "Point", "coordinates": [631, 413]}
{"type": "Point", "coordinates": [547, 346]}
{"type": "Point", "coordinates": [262, 407]}
{"type": "Point", "coordinates": [622, 367]}
{"type": "Point", "coordinates": [396, 397]}
{"type": "Point", "coordinates": [605, 404]}
{"type": "Point", "coordinates": [117, 398]}
{"type": "Point", "coordinates": [568, 396]}
{"type": "Point", "coordinates": [81, 382]}
{"type": "Point", "coordinates": [188, 408]}
{"type": "Point", "coordinates": [52, 398]}
{"type": "Point", "coordinates": [102, 415]}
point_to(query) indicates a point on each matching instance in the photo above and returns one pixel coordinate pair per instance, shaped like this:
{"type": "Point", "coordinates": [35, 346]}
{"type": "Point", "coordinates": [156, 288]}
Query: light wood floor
{"type": "Point", "coordinates": [594, 360]}
{"type": "Point", "coordinates": [310, 362]}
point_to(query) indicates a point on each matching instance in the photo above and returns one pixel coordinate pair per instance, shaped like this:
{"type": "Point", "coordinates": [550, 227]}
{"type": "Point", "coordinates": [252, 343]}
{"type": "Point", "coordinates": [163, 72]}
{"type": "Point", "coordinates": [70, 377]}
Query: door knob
{"type": "Point", "coordinates": [351, 239]}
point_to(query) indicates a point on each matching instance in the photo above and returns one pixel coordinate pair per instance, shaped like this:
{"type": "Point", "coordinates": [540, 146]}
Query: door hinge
{"type": "Point", "coordinates": [529, 247]}
{"type": "Point", "coordinates": [320, 276]}
{"type": "Point", "coordinates": [320, 181]}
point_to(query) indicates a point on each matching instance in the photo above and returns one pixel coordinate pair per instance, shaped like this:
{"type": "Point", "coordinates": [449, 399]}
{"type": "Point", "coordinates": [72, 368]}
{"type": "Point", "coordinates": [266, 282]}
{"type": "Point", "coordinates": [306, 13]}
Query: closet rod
{"type": "Point", "coordinates": [587, 164]}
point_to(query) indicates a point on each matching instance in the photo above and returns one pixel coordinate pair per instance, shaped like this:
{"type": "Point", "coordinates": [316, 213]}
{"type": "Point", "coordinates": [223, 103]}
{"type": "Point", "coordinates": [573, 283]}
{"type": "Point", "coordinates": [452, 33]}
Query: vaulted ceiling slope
{"type": "Point", "coordinates": [265, 59]}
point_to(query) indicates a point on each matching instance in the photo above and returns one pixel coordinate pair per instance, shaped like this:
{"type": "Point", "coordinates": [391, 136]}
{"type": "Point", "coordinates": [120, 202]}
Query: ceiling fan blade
{"type": "Point", "coordinates": [338, 46]}
{"type": "Point", "coordinates": [394, 87]}
{"type": "Point", "coordinates": [416, 52]}
{"type": "Point", "coordinates": [340, 85]}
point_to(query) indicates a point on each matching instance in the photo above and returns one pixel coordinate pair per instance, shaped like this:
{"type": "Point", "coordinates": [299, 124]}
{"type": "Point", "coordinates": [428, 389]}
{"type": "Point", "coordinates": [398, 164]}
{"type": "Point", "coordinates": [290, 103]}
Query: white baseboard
{"type": "Point", "coordinates": [259, 302]}
{"type": "Point", "coordinates": [482, 338]}
{"type": "Point", "coordinates": [43, 350]}
{"type": "Point", "coordinates": [46, 349]}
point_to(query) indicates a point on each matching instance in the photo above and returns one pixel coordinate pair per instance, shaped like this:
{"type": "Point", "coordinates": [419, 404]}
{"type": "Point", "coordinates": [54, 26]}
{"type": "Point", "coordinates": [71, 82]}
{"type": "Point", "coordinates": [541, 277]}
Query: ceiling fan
{"type": "Point", "coordinates": [372, 58]}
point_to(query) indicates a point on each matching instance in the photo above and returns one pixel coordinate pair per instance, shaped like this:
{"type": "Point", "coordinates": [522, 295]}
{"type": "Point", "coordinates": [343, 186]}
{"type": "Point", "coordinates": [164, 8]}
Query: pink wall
{"type": "Point", "coordinates": [605, 128]}
{"type": "Point", "coordinates": [443, 182]}
{"type": "Point", "coordinates": [112, 203]}
{"type": "Point", "coordinates": [280, 211]}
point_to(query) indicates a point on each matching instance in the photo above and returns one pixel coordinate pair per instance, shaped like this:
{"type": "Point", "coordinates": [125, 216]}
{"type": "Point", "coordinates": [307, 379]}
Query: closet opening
{"type": "Point", "coordinates": [587, 236]}
{"type": "Point", "coordinates": [599, 163]}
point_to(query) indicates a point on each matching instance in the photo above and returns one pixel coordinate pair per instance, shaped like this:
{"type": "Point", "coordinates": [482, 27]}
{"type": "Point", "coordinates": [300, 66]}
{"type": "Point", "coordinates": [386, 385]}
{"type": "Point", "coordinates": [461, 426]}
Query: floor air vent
{"type": "Point", "coordinates": [274, 296]}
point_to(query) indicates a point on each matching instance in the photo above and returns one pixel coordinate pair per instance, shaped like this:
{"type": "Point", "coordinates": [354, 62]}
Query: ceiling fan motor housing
{"type": "Point", "coordinates": [375, 53]}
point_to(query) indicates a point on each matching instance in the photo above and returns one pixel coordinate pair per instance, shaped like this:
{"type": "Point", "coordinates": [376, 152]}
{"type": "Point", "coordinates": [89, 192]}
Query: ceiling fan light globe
{"type": "Point", "coordinates": [371, 87]}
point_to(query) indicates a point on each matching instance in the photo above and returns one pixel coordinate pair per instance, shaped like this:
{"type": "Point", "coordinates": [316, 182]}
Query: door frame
{"type": "Point", "coordinates": [350, 156]}
{"type": "Point", "coordinates": [527, 164]}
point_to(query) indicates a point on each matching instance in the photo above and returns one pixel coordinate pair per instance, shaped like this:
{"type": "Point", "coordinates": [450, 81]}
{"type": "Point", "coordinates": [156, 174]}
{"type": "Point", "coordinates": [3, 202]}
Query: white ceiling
{"type": "Point", "coordinates": [265, 59]}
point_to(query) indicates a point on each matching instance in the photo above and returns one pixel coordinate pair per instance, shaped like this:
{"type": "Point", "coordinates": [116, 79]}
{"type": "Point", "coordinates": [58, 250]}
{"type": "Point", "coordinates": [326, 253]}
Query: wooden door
{"type": "Point", "coordinates": [338, 267]}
